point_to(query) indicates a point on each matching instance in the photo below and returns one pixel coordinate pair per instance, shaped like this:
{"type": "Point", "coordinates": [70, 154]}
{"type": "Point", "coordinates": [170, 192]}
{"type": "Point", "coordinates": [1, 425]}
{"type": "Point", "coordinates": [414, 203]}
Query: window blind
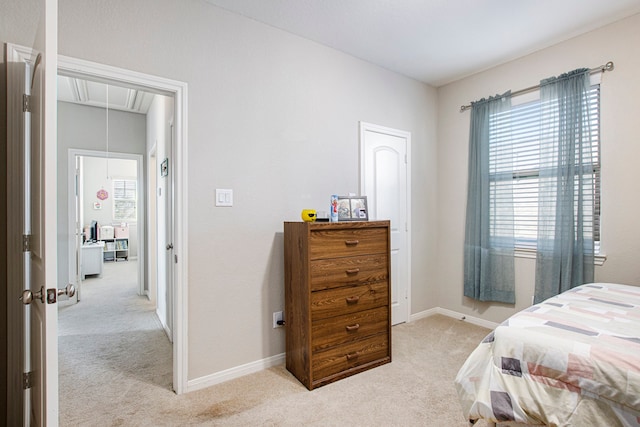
{"type": "Point", "coordinates": [515, 160]}
{"type": "Point", "coordinates": [124, 200]}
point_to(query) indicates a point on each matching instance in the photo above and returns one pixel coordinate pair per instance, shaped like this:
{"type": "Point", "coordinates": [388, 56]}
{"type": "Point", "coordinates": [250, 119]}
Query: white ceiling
{"type": "Point", "coordinates": [435, 41]}
{"type": "Point", "coordinates": [96, 94]}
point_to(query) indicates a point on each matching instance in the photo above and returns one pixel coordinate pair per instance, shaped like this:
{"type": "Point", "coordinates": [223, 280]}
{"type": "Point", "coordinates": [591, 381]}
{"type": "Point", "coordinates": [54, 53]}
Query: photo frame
{"type": "Point", "coordinates": [353, 208]}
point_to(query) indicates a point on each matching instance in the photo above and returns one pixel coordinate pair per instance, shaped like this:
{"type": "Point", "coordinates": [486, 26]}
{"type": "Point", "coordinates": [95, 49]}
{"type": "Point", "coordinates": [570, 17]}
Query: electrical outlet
{"type": "Point", "coordinates": [277, 316]}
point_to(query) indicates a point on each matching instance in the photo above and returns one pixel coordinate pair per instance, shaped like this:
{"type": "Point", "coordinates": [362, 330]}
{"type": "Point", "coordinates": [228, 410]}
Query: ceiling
{"type": "Point", "coordinates": [94, 94]}
{"type": "Point", "coordinates": [435, 41]}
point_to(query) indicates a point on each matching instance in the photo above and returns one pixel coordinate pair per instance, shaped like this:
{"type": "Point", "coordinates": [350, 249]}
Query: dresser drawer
{"type": "Point", "coordinates": [338, 330]}
{"type": "Point", "coordinates": [348, 356]}
{"type": "Point", "coordinates": [347, 242]}
{"type": "Point", "coordinates": [350, 299]}
{"type": "Point", "coordinates": [335, 272]}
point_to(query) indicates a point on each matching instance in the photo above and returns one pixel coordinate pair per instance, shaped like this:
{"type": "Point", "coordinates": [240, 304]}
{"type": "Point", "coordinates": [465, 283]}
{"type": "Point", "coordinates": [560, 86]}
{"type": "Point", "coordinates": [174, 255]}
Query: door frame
{"type": "Point", "coordinates": [370, 127]}
{"type": "Point", "coordinates": [178, 90]}
{"type": "Point", "coordinates": [141, 215]}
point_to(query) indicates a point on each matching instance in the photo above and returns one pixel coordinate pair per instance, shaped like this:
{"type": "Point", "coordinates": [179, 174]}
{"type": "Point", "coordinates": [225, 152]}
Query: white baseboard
{"type": "Point", "coordinates": [454, 314]}
{"type": "Point", "coordinates": [278, 359]}
{"type": "Point", "coordinates": [423, 314]}
{"type": "Point", "coordinates": [236, 372]}
{"type": "Point", "coordinates": [164, 325]}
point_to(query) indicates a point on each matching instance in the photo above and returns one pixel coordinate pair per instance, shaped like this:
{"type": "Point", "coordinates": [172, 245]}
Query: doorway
{"type": "Point", "coordinates": [175, 277]}
{"type": "Point", "coordinates": [105, 189]}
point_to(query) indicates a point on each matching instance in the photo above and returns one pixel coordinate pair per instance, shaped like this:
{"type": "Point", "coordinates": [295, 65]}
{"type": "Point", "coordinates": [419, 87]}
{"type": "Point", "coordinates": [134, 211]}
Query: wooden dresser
{"type": "Point", "coordinates": [337, 299]}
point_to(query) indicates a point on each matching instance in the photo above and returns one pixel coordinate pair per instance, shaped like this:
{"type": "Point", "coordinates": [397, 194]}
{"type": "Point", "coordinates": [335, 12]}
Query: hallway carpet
{"type": "Point", "coordinates": [116, 370]}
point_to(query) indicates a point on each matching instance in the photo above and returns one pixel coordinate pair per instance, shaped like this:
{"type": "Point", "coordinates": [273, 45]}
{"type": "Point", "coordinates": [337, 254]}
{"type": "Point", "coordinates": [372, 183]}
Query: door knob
{"type": "Point", "coordinates": [68, 290]}
{"type": "Point", "coordinates": [28, 296]}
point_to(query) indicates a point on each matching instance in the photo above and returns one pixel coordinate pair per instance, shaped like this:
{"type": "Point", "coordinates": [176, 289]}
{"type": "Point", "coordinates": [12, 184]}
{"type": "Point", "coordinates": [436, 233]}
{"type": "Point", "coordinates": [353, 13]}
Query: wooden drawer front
{"type": "Point", "coordinates": [349, 356]}
{"type": "Point", "coordinates": [337, 330]}
{"type": "Point", "coordinates": [348, 242]}
{"type": "Point", "coordinates": [332, 273]}
{"type": "Point", "coordinates": [351, 299]}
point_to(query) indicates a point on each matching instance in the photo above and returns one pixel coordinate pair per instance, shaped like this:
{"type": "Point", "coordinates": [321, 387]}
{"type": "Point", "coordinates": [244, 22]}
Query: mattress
{"type": "Point", "coordinates": [573, 359]}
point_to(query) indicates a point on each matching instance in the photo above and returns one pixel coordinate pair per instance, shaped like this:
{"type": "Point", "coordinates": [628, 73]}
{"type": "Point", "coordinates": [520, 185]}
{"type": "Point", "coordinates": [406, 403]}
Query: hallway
{"type": "Point", "coordinates": [112, 349]}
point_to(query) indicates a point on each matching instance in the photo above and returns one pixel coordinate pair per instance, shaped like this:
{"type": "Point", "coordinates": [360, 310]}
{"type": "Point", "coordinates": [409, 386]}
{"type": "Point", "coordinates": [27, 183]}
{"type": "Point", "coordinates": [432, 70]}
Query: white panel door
{"type": "Point", "coordinates": [385, 182]}
{"type": "Point", "coordinates": [31, 190]}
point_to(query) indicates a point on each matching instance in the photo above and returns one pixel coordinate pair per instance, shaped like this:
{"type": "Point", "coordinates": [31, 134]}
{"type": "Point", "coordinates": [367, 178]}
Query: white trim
{"type": "Point", "coordinates": [364, 127]}
{"type": "Point", "coordinates": [235, 372]}
{"type": "Point", "coordinates": [455, 315]}
{"type": "Point", "coordinates": [423, 314]}
{"type": "Point", "coordinates": [177, 89]}
{"type": "Point", "coordinates": [51, 389]}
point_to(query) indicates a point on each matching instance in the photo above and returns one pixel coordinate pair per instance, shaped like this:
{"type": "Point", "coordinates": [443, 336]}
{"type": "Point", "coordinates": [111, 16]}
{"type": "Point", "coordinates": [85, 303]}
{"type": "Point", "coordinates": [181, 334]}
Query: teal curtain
{"type": "Point", "coordinates": [565, 246]}
{"type": "Point", "coordinates": [489, 243]}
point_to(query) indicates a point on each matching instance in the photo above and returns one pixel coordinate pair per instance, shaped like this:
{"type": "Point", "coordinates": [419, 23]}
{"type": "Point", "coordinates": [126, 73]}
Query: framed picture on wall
{"type": "Point", "coordinates": [352, 208]}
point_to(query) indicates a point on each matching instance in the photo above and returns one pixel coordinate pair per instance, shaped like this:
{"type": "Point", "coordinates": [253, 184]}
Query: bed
{"type": "Point", "coordinates": [572, 360]}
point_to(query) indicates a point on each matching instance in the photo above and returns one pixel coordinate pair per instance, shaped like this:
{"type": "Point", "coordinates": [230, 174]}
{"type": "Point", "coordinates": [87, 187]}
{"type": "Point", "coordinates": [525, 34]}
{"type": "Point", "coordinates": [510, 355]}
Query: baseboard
{"type": "Point", "coordinates": [454, 314]}
{"type": "Point", "coordinates": [423, 314]}
{"type": "Point", "coordinates": [236, 372]}
{"type": "Point", "coordinates": [164, 325]}
{"type": "Point", "coordinates": [259, 365]}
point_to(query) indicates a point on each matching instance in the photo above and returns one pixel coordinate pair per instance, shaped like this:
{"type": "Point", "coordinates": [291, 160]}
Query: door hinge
{"type": "Point", "coordinates": [27, 380]}
{"type": "Point", "coordinates": [26, 103]}
{"type": "Point", "coordinates": [26, 242]}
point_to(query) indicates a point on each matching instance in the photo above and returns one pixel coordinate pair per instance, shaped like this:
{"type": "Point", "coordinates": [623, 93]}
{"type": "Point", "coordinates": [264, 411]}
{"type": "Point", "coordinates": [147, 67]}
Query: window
{"type": "Point", "coordinates": [125, 198]}
{"type": "Point", "coordinates": [515, 159]}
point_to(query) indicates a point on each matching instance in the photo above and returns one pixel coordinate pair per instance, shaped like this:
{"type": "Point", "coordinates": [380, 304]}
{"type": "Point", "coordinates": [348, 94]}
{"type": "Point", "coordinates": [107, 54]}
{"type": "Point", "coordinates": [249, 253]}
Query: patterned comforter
{"type": "Point", "coordinates": [572, 360]}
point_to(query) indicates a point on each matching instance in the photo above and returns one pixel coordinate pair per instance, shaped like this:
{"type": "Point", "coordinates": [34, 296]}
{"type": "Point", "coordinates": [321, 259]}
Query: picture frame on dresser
{"type": "Point", "coordinates": [352, 208]}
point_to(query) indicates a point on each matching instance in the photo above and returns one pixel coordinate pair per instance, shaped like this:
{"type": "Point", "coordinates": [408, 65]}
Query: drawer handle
{"type": "Point", "coordinates": [352, 328]}
{"type": "Point", "coordinates": [352, 300]}
{"type": "Point", "coordinates": [352, 356]}
{"type": "Point", "coordinates": [353, 271]}
{"type": "Point", "coordinates": [351, 242]}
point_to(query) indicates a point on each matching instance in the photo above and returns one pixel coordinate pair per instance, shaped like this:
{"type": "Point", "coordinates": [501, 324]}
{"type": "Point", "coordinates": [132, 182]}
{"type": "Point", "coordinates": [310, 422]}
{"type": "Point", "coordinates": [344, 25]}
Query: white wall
{"type": "Point", "coordinates": [275, 118]}
{"type": "Point", "coordinates": [620, 150]}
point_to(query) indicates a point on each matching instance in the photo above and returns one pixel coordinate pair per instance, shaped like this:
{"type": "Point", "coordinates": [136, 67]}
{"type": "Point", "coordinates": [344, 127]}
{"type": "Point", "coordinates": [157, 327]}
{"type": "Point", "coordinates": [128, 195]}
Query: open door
{"type": "Point", "coordinates": [31, 194]}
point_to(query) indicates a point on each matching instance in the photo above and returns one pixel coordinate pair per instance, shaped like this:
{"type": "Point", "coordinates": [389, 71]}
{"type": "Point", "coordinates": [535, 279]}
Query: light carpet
{"type": "Point", "coordinates": [116, 370]}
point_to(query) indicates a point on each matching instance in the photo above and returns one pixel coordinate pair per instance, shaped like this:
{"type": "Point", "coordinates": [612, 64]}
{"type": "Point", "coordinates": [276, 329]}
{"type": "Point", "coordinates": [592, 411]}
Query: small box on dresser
{"type": "Point", "coordinates": [337, 299]}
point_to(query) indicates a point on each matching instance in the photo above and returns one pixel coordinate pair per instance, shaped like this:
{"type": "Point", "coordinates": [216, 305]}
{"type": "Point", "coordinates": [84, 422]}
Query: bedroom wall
{"type": "Point", "coordinates": [620, 150]}
{"type": "Point", "coordinates": [275, 118]}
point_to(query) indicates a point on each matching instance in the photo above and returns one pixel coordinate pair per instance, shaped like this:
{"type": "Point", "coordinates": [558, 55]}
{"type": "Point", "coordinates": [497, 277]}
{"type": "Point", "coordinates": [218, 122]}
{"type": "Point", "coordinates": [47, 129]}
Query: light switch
{"type": "Point", "coordinates": [224, 197]}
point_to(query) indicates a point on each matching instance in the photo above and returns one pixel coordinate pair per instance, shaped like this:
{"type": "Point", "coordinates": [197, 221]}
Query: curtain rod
{"type": "Point", "coordinates": [606, 67]}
